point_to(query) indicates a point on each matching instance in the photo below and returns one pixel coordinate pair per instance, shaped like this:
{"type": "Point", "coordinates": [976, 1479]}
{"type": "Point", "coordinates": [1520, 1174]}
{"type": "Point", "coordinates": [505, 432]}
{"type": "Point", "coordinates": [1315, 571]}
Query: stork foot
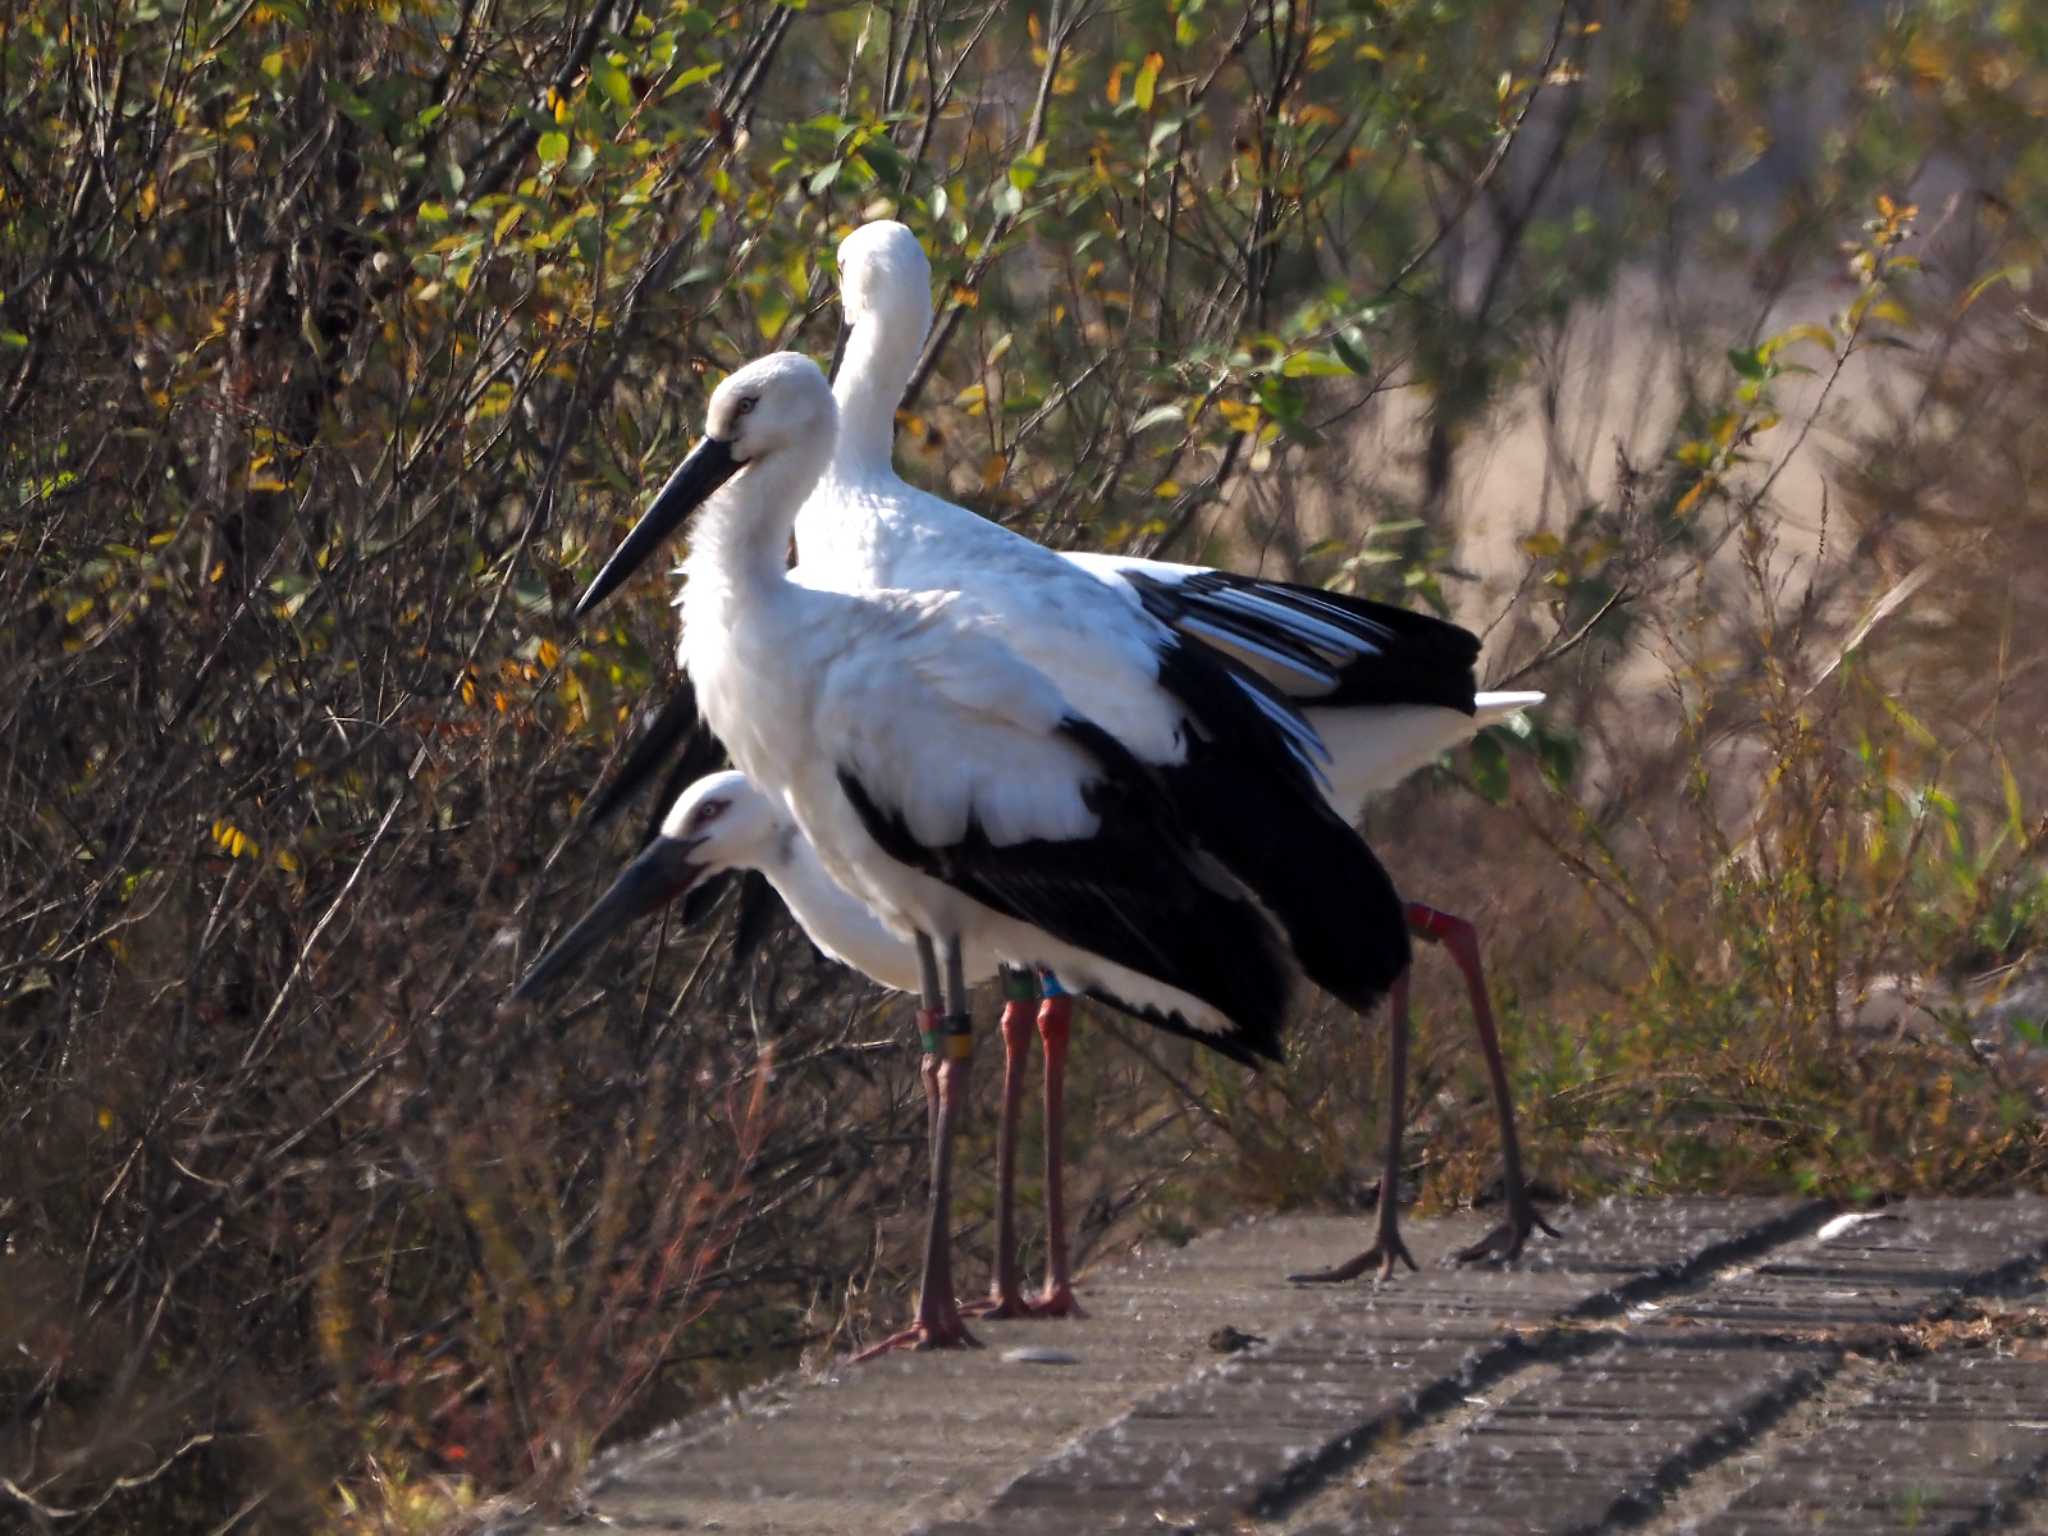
{"type": "Point", "coordinates": [935, 1334]}
{"type": "Point", "coordinates": [1385, 1253]}
{"type": "Point", "coordinates": [1056, 1301]}
{"type": "Point", "coordinates": [1504, 1244]}
{"type": "Point", "coordinates": [999, 1307]}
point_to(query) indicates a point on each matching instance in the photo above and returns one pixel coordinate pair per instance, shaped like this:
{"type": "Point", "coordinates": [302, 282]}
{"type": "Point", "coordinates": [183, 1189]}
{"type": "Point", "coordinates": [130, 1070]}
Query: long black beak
{"type": "Point", "coordinates": [709, 465]}
{"type": "Point", "coordinates": [663, 872]}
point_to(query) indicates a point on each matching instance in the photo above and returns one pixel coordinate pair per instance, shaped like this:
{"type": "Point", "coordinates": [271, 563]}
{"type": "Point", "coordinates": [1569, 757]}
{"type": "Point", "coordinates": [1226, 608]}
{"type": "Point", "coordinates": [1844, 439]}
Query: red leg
{"type": "Point", "coordinates": [937, 1323]}
{"type": "Point", "coordinates": [1005, 1298]}
{"type": "Point", "coordinates": [1055, 1019]}
{"type": "Point", "coordinates": [1462, 940]}
{"type": "Point", "coordinates": [1388, 1247]}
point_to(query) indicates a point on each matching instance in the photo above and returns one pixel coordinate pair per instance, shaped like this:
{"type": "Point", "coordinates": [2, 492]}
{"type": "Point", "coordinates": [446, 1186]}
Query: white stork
{"type": "Point", "coordinates": [972, 801]}
{"type": "Point", "coordinates": [1387, 690]}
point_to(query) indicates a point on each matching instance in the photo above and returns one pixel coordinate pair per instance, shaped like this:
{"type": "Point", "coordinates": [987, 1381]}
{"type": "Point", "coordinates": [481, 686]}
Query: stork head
{"type": "Point", "coordinates": [884, 277]}
{"type": "Point", "coordinates": [720, 822]}
{"type": "Point", "coordinates": [777, 410]}
{"type": "Point", "coordinates": [727, 821]}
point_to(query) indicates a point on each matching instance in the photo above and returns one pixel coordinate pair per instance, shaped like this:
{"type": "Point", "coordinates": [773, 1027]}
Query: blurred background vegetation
{"type": "Point", "coordinates": [1682, 348]}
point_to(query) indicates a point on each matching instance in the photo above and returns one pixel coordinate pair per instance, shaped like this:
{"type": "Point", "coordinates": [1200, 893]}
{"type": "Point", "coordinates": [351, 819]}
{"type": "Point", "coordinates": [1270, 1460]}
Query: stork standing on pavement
{"type": "Point", "coordinates": [1387, 690]}
{"type": "Point", "coordinates": [970, 799]}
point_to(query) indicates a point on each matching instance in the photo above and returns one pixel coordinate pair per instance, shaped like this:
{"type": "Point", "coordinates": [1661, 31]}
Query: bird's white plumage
{"type": "Point", "coordinates": [1075, 616]}
{"type": "Point", "coordinates": [753, 830]}
{"type": "Point", "coordinates": [865, 529]}
{"type": "Point", "coordinates": [911, 692]}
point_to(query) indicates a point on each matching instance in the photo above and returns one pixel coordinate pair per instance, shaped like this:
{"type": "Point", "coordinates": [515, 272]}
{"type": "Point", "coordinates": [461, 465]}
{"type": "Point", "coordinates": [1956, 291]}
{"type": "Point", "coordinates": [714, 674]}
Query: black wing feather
{"type": "Point", "coordinates": [1396, 656]}
{"type": "Point", "coordinates": [1134, 894]}
{"type": "Point", "coordinates": [677, 729]}
{"type": "Point", "coordinates": [1252, 804]}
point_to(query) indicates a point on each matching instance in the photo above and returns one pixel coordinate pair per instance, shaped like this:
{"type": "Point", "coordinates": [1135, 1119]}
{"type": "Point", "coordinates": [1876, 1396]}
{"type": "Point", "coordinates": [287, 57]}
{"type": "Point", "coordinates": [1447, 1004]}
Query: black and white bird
{"type": "Point", "coordinates": [1386, 690]}
{"type": "Point", "coordinates": [1094, 826]}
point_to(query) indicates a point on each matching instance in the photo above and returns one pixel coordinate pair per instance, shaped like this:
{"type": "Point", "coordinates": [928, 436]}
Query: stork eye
{"type": "Point", "coordinates": [709, 812]}
{"type": "Point", "coordinates": [746, 405]}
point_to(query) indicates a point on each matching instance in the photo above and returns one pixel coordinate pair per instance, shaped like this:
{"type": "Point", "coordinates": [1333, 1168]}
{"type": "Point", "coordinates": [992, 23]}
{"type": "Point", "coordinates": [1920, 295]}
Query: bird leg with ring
{"type": "Point", "coordinates": [945, 1031]}
{"type": "Point", "coordinates": [1388, 1248]}
{"type": "Point", "coordinates": [1458, 936]}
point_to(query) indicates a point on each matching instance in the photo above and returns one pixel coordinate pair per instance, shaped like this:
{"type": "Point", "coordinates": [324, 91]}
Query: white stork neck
{"type": "Point", "coordinates": [739, 548]}
{"type": "Point", "coordinates": [881, 354]}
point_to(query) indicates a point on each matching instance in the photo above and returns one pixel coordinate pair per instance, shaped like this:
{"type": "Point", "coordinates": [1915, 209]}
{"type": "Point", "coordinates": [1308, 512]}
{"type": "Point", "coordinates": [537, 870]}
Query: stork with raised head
{"type": "Point", "coordinates": [971, 801]}
{"type": "Point", "coordinates": [1387, 690]}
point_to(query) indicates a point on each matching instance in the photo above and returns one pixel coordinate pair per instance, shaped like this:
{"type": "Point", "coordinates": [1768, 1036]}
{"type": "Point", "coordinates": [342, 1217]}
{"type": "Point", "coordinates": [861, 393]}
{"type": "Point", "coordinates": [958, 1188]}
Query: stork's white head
{"type": "Point", "coordinates": [720, 822]}
{"type": "Point", "coordinates": [774, 420]}
{"type": "Point", "coordinates": [727, 823]}
{"type": "Point", "coordinates": [775, 402]}
{"type": "Point", "coordinates": [884, 277]}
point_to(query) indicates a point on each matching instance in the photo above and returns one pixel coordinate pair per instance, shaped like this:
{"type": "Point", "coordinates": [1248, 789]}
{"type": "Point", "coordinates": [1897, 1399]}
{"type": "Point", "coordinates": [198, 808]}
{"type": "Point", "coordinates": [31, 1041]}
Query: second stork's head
{"type": "Point", "coordinates": [769, 427]}
{"type": "Point", "coordinates": [720, 822]}
{"type": "Point", "coordinates": [885, 279]}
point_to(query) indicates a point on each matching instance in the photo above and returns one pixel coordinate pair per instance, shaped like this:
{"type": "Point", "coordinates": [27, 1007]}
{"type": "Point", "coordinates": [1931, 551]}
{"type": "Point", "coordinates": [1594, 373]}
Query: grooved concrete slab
{"type": "Point", "coordinates": [1600, 1441]}
{"type": "Point", "coordinates": [1957, 1443]}
{"type": "Point", "coordinates": [1673, 1362]}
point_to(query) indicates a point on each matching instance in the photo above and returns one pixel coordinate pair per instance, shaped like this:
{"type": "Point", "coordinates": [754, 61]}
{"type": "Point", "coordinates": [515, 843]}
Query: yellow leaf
{"type": "Point", "coordinates": [1114, 90]}
{"type": "Point", "coordinates": [993, 468]}
{"type": "Point", "coordinates": [1819, 335]}
{"type": "Point", "coordinates": [469, 691]}
{"type": "Point", "coordinates": [106, 1119]}
{"type": "Point", "coordinates": [1166, 490]}
{"type": "Point", "coordinates": [78, 610]}
{"type": "Point", "coordinates": [220, 569]}
{"type": "Point", "coordinates": [286, 862]}
{"type": "Point", "coordinates": [1691, 498]}
{"type": "Point", "coordinates": [1239, 415]}
{"type": "Point", "coordinates": [1147, 81]}
{"type": "Point", "coordinates": [965, 296]}
{"type": "Point", "coordinates": [972, 395]}
{"type": "Point", "coordinates": [549, 653]}
{"type": "Point", "coordinates": [1543, 546]}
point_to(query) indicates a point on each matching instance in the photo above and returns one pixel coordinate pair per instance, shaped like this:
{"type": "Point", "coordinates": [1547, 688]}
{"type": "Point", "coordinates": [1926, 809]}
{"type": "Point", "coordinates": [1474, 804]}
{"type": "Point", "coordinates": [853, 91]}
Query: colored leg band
{"type": "Point", "coordinates": [959, 1038]}
{"type": "Point", "coordinates": [1049, 985]}
{"type": "Point", "coordinates": [953, 1040]}
{"type": "Point", "coordinates": [1019, 986]}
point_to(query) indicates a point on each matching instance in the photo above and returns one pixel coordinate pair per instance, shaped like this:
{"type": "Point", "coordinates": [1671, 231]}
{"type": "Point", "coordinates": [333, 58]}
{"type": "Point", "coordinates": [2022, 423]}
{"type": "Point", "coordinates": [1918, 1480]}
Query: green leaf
{"type": "Point", "coordinates": [1148, 81]}
{"type": "Point", "coordinates": [1354, 355]}
{"type": "Point", "coordinates": [2017, 274]}
{"type": "Point", "coordinates": [1490, 768]}
{"type": "Point", "coordinates": [690, 77]}
{"type": "Point", "coordinates": [611, 79]}
{"type": "Point", "coordinates": [1749, 363]}
{"type": "Point", "coordinates": [821, 179]}
{"type": "Point", "coordinates": [1313, 365]}
{"type": "Point", "coordinates": [554, 148]}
